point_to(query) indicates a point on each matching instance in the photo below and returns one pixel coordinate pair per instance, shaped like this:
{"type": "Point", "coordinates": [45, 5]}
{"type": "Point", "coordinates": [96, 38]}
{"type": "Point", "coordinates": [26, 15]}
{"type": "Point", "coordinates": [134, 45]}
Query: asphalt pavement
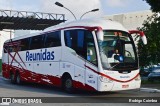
{"type": "Point", "coordinates": [36, 90]}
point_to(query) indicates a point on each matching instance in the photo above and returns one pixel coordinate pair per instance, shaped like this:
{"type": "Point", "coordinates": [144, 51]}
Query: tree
{"type": "Point", "coordinates": [150, 53]}
{"type": "Point", "coordinates": [155, 5]}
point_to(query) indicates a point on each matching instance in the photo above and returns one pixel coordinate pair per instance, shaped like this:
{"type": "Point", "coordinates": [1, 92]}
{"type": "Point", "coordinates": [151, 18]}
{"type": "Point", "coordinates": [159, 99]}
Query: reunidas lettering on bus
{"type": "Point", "coordinates": [42, 55]}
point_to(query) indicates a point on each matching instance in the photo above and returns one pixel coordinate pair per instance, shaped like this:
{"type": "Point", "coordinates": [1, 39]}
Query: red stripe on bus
{"type": "Point", "coordinates": [136, 31]}
{"type": "Point", "coordinates": [39, 78]}
{"type": "Point", "coordinates": [104, 75]}
{"type": "Point", "coordinates": [85, 27]}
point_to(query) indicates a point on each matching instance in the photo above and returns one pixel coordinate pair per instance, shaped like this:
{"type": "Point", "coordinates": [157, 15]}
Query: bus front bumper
{"type": "Point", "coordinates": [119, 86]}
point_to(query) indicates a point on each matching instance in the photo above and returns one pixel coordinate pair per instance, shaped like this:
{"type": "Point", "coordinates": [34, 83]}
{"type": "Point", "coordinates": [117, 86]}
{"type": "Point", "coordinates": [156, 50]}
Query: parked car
{"type": "Point", "coordinates": [155, 74]}
{"type": "Point", "coordinates": [144, 72]}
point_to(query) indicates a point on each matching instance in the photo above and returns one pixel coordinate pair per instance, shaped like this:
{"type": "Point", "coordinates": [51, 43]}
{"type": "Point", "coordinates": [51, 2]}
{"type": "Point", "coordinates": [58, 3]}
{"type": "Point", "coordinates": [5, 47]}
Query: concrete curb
{"type": "Point", "coordinates": [151, 90]}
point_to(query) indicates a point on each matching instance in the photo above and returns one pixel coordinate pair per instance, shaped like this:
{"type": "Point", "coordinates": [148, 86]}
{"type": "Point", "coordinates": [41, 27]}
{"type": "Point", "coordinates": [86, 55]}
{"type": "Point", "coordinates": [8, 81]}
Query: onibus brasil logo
{"type": "Point", "coordinates": [8, 101]}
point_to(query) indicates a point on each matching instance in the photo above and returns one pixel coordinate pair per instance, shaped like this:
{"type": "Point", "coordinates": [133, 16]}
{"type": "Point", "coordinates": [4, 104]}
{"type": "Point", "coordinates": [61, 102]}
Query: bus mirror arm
{"type": "Point", "coordinates": [141, 34]}
{"type": "Point", "coordinates": [100, 34]}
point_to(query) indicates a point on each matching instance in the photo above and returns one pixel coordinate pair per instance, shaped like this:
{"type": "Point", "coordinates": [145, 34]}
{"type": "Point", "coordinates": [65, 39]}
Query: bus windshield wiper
{"type": "Point", "coordinates": [114, 66]}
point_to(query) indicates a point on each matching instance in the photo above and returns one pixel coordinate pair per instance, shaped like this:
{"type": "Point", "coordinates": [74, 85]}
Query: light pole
{"type": "Point", "coordinates": [61, 5]}
{"type": "Point", "coordinates": [94, 10]}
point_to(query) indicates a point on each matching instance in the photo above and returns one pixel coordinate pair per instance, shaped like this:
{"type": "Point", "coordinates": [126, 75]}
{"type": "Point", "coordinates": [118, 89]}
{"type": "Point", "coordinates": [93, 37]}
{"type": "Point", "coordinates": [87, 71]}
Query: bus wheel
{"type": "Point", "coordinates": [68, 85]}
{"type": "Point", "coordinates": [12, 77]}
{"type": "Point", "coordinates": [18, 79]}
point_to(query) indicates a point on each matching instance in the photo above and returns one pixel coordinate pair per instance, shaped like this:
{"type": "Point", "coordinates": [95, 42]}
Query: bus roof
{"type": "Point", "coordinates": [103, 23]}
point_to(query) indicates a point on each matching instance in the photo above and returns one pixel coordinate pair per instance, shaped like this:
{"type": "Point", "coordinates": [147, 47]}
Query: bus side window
{"type": "Point", "coordinates": [74, 39]}
{"type": "Point", "coordinates": [5, 48]}
{"type": "Point", "coordinates": [10, 49]}
{"type": "Point", "coordinates": [37, 42]}
{"type": "Point", "coordinates": [81, 41]}
{"type": "Point", "coordinates": [91, 51]}
{"type": "Point", "coordinates": [53, 39]}
{"type": "Point", "coordinates": [25, 44]}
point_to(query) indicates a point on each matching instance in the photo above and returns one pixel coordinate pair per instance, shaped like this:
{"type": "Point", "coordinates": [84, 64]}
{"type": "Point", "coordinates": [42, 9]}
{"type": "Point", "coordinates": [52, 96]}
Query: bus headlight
{"type": "Point", "coordinates": [104, 79]}
{"type": "Point", "coordinates": [138, 78]}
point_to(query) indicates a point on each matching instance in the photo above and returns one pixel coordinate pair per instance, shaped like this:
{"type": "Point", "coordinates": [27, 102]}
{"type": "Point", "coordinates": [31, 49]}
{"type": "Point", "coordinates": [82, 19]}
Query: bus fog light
{"type": "Point", "coordinates": [138, 78]}
{"type": "Point", "coordinates": [104, 79]}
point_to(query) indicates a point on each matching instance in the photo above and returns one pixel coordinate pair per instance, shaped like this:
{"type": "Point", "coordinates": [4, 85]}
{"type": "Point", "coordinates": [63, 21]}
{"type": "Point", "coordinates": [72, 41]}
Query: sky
{"type": "Point", "coordinates": [78, 7]}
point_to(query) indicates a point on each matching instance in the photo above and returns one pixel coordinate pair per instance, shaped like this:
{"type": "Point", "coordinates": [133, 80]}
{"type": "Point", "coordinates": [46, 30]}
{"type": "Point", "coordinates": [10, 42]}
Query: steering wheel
{"type": "Point", "coordinates": [129, 53]}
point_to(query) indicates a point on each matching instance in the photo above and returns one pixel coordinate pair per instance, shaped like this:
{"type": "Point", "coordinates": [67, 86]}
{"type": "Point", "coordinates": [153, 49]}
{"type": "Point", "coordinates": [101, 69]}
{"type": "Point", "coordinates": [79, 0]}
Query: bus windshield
{"type": "Point", "coordinates": [117, 51]}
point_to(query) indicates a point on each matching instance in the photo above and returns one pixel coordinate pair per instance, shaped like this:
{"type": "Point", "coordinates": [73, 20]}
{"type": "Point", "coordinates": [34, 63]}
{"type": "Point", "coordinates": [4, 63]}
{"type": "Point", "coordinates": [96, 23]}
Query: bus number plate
{"type": "Point", "coordinates": [125, 86]}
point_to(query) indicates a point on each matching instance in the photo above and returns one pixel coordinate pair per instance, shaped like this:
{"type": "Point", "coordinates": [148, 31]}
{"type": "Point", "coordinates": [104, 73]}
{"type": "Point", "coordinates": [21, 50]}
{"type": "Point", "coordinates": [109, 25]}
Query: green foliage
{"type": "Point", "coordinates": [155, 5]}
{"type": "Point", "coordinates": [150, 53]}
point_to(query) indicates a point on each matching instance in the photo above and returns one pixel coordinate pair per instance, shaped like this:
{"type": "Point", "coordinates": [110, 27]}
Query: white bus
{"type": "Point", "coordinates": [95, 55]}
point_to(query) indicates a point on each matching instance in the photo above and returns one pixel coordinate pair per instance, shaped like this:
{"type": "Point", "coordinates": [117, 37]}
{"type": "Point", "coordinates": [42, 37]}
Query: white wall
{"type": "Point", "coordinates": [131, 20]}
{"type": "Point", "coordinates": [21, 32]}
{"type": "Point", "coordinates": [4, 35]}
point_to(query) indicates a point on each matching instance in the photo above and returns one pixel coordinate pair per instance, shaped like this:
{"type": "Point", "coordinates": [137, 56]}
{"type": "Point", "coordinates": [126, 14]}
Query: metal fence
{"type": "Point", "coordinates": [29, 14]}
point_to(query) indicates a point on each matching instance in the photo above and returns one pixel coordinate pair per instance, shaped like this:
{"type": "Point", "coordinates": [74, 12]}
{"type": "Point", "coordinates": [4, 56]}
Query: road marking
{"type": "Point", "coordinates": [151, 90]}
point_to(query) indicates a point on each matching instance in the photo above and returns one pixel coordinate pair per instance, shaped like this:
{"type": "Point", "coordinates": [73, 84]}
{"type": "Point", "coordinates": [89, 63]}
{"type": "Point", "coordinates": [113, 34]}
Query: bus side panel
{"type": "Point", "coordinates": [44, 71]}
{"type": "Point", "coordinates": [6, 65]}
{"type": "Point", "coordinates": [75, 66]}
{"type": "Point", "coordinates": [91, 76]}
{"type": "Point", "coordinates": [68, 62]}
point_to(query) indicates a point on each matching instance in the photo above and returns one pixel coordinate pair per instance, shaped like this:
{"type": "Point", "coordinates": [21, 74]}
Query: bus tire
{"type": "Point", "coordinates": [68, 85]}
{"type": "Point", "coordinates": [12, 78]}
{"type": "Point", "coordinates": [18, 79]}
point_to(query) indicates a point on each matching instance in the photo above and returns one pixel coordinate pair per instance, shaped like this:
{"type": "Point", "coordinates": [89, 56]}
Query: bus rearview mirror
{"type": "Point", "coordinates": [141, 34]}
{"type": "Point", "coordinates": [100, 35]}
{"type": "Point", "coordinates": [144, 39]}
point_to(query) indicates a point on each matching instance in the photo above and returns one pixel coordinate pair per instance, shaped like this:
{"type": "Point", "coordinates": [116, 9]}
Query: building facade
{"type": "Point", "coordinates": [131, 20]}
